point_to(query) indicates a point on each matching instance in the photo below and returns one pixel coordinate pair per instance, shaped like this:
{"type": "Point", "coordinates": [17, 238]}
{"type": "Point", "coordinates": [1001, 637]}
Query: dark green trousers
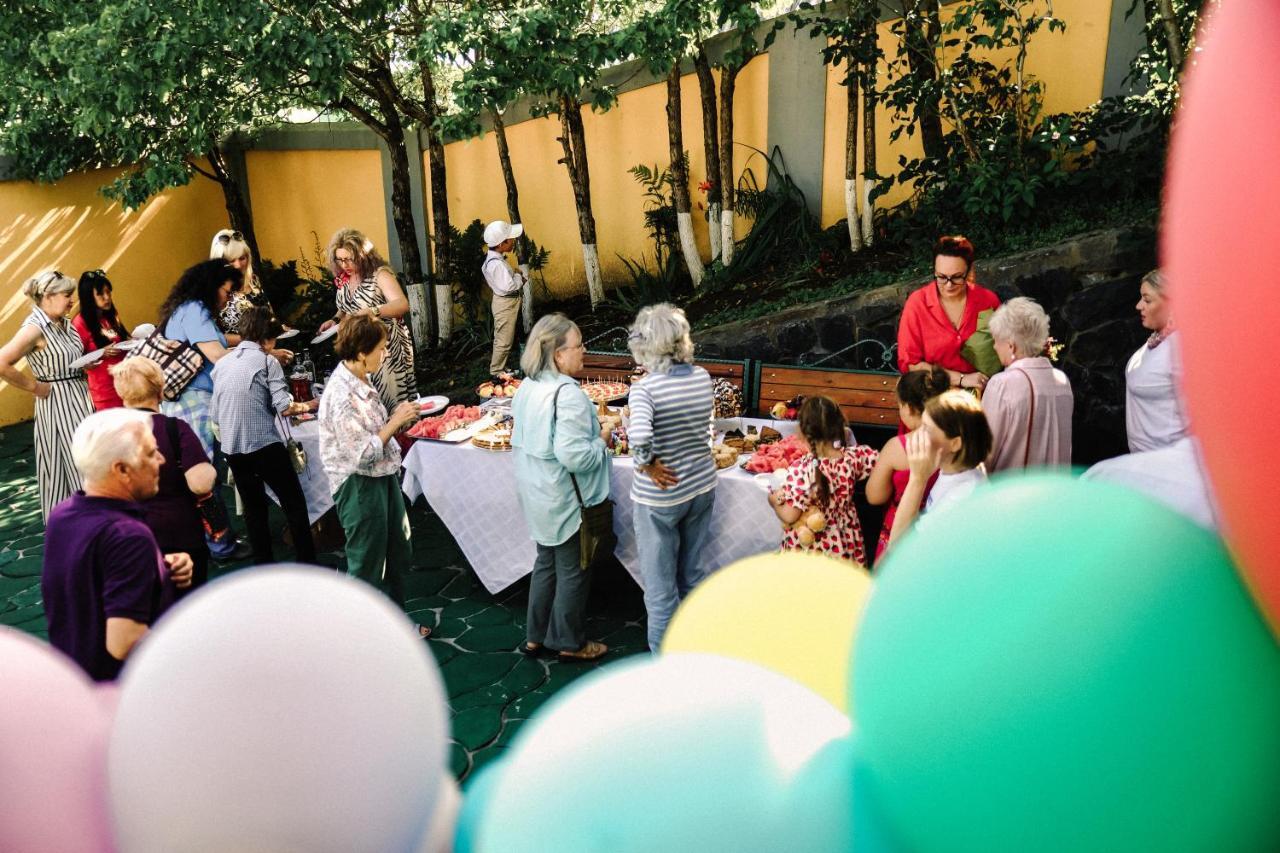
{"type": "Point", "coordinates": [371, 510]}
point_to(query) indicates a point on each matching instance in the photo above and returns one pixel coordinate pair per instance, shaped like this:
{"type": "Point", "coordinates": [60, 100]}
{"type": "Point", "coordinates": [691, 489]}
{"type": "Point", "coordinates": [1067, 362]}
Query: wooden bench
{"type": "Point", "coordinates": [866, 397]}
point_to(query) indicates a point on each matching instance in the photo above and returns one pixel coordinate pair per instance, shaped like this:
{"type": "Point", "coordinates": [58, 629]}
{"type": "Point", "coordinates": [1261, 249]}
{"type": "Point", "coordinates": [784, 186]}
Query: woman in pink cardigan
{"type": "Point", "coordinates": [1028, 404]}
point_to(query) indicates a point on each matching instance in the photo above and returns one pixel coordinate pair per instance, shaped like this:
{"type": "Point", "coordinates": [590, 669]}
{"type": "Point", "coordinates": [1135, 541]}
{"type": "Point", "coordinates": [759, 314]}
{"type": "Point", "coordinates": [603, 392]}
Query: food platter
{"type": "Point", "coordinates": [456, 425]}
{"type": "Point", "coordinates": [432, 405]}
{"type": "Point", "coordinates": [604, 391]}
{"type": "Point", "coordinates": [496, 438]}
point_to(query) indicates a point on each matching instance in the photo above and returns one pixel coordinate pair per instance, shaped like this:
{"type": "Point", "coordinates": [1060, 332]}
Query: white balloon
{"type": "Point", "coordinates": [283, 708]}
{"type": "Point", "coordinates": [444, 820]}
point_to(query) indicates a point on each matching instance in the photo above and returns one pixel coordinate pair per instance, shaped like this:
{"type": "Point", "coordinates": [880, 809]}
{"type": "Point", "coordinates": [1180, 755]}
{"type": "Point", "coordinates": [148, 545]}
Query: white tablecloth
{"type": "Point", "coordinates": [474, 493]}
{"type": "Point", "coordinates": [315, 485]}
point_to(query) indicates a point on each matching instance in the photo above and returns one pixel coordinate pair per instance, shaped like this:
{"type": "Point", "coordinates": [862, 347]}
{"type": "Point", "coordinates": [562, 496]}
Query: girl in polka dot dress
{"type": "Point", "coordinates": [823, 479]}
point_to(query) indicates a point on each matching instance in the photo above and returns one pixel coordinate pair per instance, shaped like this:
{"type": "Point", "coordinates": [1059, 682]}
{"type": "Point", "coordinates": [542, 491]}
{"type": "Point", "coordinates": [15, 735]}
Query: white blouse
{"type": "Point", "coordinates": [1153, 411]}
{"type": "Point", "coordinates": [953, 487]}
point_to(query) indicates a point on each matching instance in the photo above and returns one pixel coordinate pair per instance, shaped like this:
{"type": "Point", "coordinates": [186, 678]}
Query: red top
{"type": "Point", "coordinates": [926, 334]}
{"type": "Point", "coordinates": [101, 386]}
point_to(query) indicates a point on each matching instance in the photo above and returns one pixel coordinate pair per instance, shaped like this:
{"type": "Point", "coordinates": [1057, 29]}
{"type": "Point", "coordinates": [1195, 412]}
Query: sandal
{"type": "Point", "coordinates": [423, 632]}
{"type": "Point", "coordinates": [534, 650]}
{"type": "Point", "coordinates": [589, 652]}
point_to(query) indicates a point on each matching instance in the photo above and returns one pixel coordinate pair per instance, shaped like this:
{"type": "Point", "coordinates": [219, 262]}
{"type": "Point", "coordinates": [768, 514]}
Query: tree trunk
{"type": "Point", "coordinates": [728, 79]}
{"type": "Point", "coordinates": [573, 140]}
{"type": "Point", "coordinates": [441, 238]}
{"type": "Point", "coordinates": [402, 212]}
{"type": "Point", "coordinates": [1173, 38]}
{"type": "Point", "coordinates": [513, 214]}
{"type": "Point", "coordinates": [238, 213]}
{"type": "Point", "coordinates": [680, 178]}
{"type": "Point", "coordinates": [710, 145]}
{"type": "Point", "coordinates": [922, 31]}
{"type": "Point", "coordinates": [870, 177]}
{"type": "Point", "coordinates": [852, 220]}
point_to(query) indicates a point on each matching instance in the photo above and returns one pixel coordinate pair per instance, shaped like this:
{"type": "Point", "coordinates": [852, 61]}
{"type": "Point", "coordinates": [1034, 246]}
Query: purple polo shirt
{"type": "Point", "coordinates": [100, 560]}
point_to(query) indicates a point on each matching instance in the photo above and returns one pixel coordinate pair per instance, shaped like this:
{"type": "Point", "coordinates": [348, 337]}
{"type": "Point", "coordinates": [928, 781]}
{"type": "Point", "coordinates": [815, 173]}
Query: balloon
{"type": "Point", "coordinates": [52, 753]}
{"type": "Point", "coordinates": [442, 827]}
{"type": "Point", "coordinates": [475, 799]}
{"type": "Point", "coordinates": [686, 752]}
{"type": "Point", "coordinates": [281, 708]}
{"type": "Point", "coordinates": [795, 613]}
{"type": "Point", "coordinates": [1217, 245]}
{"type": "Point", "coordinates": [1087, 674]}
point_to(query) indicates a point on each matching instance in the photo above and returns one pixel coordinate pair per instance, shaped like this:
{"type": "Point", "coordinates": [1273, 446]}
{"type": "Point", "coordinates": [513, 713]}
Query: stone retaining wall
{"type": "Point", "coordinates": [1089, 286]}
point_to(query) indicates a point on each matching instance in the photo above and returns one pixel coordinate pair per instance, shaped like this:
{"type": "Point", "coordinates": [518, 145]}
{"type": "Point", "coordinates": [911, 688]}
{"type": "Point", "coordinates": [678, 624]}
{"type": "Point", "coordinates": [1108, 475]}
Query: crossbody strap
{"type": "Point", "coordinates": [1031, 421]}
{"type": "Point", "coordinates": [555, 400]}
{"type": "Point", "coordinates": [286, 433]}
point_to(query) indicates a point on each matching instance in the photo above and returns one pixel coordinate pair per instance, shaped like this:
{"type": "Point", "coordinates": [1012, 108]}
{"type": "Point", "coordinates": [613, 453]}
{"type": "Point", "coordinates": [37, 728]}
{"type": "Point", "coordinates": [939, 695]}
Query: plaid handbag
{"type": "Point", "coordinates": [179, 361]}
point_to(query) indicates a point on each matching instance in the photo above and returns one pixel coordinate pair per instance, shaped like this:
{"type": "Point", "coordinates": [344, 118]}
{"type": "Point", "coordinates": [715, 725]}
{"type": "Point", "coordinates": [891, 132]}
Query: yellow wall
{"type": "Point", "coordinates": [300, 197]}
{"type": "Point", "coordinates": [68, 226]}
{"type": "Point", "coordinates": [633, 132]}
{"type": "Point", "coordinates": [1070, 64]}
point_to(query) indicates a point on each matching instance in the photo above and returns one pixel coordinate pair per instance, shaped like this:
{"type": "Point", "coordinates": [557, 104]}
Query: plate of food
{"type": "Point", "coordinates": [605, 392]}
{"type": "Point", "coordinates": [454, 426]}
{"type": "Point", "coordinates": [776, 456]}
{"type": "Point", "coordinates": [725, 457]}
{"type": "Point", "coordinates": [498, 387]}
{"type": "Point", "coordinates": [431, 405]}
{"type": "Point", "coordinates": [496, 437]}
{"type": "Point", "coordinates": [326, 334]}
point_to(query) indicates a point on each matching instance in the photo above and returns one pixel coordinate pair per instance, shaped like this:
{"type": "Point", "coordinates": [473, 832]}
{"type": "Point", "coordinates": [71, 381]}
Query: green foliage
{"type": "Point", "coordinates": [280, 284]}
{"type": "Point", "coordinates": [313, 301]}
{"type": "Point", "coordinates": [660, 209]}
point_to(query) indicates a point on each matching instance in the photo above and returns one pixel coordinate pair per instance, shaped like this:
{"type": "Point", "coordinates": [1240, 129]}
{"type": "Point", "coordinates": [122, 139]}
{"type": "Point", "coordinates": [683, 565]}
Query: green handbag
{"type": "Point", "coordinates": [980, 349]}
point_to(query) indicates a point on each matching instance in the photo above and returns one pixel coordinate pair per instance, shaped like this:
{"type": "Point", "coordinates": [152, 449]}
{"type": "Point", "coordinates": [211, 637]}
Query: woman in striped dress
{"type": "Point", "coordinates": [674, 488]}
{"type": "Point", "coordinates": [366, 285]}
{"type": "Point", "coordinates": [49, 343]}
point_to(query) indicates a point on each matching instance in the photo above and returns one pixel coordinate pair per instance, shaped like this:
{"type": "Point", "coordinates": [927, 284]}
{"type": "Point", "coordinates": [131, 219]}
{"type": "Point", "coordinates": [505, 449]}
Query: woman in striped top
{"type": "Point", "coordinates": [49, 344]}
{"type": "Point", "coordinates": [675, 477]}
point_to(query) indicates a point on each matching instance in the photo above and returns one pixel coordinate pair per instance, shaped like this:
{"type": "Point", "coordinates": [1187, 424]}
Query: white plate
{"type": "Point", "coordinates": [130, 344]}
{"type": "Point", "coordinates": [86, 360]}
{"type": "Point", "coordinates": [325, 335]}
{"type": "Point", "coordinates": [431, 405]}
{"type": "Point", "coordinates": [287, 334]}
{"type": "Point", "coordinates": [768, 482]}
{"type": "Point", "coordinates": [143, 331]}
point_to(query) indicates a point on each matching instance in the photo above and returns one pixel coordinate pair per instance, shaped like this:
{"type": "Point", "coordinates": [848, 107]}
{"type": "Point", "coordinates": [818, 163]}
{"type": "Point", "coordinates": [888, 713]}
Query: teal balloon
{"type": "Point", "coordinates": [475, 798]}
{"type": "Point", "coordinates": [687, 753]}
{"type": "Point", "coordinates": [1057, 664]}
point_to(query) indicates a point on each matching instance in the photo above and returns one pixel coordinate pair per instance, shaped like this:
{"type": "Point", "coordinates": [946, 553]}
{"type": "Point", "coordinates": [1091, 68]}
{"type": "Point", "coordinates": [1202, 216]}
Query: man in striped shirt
{"type": "Point", "coordinates": [675, 476]}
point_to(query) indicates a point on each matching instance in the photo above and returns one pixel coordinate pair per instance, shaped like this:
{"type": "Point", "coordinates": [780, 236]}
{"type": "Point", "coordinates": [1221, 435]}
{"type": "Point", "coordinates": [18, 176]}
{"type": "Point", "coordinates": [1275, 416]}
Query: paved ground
{"type": "Point", "coordinates": [492, 688]}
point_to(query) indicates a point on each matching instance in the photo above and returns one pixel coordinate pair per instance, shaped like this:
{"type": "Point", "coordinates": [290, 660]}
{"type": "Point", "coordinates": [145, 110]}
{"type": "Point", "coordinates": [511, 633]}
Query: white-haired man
{"type": "Point", "coordinates": [507, 286]}
{"type": "Point", "coordinates": [104, 578]}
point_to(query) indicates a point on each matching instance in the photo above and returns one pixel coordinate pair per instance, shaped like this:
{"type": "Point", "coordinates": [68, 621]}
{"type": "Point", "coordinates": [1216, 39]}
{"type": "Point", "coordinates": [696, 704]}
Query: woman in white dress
{"type": "Point", "coordinates": [1153, 411]}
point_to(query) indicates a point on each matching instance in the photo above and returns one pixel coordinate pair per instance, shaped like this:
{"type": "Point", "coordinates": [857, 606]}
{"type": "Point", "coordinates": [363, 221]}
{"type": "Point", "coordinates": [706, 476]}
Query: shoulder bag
{"type": "Point", "coordinates": [595, 533]}
{"type": "Point", "coordinates": [179, 361]}
{"type": "Point", "coordinates": [213, 513]}
{"type": "Point", "coordinates": [297, 453]}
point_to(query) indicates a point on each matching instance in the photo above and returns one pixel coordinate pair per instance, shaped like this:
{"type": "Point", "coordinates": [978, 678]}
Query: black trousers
{"type": "Point", "coordinates": [270, 466]}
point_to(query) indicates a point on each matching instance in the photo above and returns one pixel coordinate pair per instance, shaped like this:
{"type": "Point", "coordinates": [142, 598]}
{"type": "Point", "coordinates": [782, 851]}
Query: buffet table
{"type": "Point", "coordinates": [474, 493]}
{"type": "Point", "coordinates": [315, 485]}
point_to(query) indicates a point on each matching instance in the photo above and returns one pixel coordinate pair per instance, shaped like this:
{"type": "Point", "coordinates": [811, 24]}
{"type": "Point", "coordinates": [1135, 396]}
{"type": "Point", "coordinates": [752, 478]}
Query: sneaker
{"type": "Point", "coordinates": [242, 551]}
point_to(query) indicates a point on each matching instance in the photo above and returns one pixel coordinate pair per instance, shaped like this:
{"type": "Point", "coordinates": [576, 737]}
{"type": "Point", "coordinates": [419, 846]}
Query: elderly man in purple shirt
{"type": "Point", "coordinates": [104, 578]}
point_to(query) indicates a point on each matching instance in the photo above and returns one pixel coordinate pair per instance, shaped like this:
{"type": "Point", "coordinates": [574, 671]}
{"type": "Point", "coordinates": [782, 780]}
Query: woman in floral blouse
{"type": "Point", "coordinates": [362, 461]}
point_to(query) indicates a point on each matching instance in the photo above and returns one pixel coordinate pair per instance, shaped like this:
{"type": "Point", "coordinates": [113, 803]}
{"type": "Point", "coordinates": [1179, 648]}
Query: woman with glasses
{"type": "Point", "coordinates": [943, 314]}
{"type": "Point", "coordinates": [99, 328]}
{"type": "Point", "coordinates": [49, 344]}
{"type": "Point", "coordinates": [366, 285]}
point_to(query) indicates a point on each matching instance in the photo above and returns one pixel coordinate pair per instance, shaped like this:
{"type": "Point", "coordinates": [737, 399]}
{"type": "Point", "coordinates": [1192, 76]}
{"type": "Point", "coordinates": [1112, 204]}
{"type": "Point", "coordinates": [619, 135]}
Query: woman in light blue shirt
{"type": "Point", "coordinates": [556, 440]}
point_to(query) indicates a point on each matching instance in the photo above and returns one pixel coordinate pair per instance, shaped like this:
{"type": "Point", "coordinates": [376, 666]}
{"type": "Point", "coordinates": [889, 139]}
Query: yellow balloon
{"type": "Point", "coordinates": [795, 613]}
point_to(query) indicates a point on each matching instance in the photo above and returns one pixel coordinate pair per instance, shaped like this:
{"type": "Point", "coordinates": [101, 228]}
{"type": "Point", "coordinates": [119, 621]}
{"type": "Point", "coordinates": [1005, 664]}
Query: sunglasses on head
{"type": "Point", "coordinates": [227, 237]}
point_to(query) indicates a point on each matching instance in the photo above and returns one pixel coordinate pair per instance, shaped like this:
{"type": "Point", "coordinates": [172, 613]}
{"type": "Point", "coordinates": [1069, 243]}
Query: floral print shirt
{"type": "Point", "coordinates": [842, 536]}
{"type": "Point", "coordinates": [351, 415]}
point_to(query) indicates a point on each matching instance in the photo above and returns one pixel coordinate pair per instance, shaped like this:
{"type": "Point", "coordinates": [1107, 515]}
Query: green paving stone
{"type": "Point", "coordinates": [23, 567]}
{"type": "Point", "coordinates": [493, 615]}
{"type": "Point", "coordinates": [492, 694]}
{"type": "Point", "coordinates": [7, 557]}
{"type": "Point", "coordinates": [428, 582]}
{"type": "Point", "coordinates": [449, 628]}
{"type": "Point", "coordinates": [529, 674]}
{"type": "Point", "coordinates": [27, 542]}
{"type": "Point", "coordinates": [461, 586]}
{"type": "Point", "coordinates": [491, 638]}
{"type": "Point", "coordinates": [38, 553]}
{"type": "Point", "coordinates": [26, 618]}
{"type": "Point", "coordinates": [560, 674]}
{"type": "Point", "coordinates": [629, 639]}
{"type": "Point", "coordinates": [463, 608]}
{"type": "Point", "coordinates": [528, 704]}
{"type": "Point", "coordinates": [467, 672]}
{"type": "Point", "coordinates": [475, 727]}
{"type": "Point", "coordinates": [459, 762]}
{"type": "Point", "coordinates": [443, 652]}
{"type": "Point", "coordinates": [10, 587]}
{"type": "Point", "coordinates": [29, 597]}
{"type": "Point", "coordinates": [509, 731]}
{"type": "Point", "coordinates": [486, 756]}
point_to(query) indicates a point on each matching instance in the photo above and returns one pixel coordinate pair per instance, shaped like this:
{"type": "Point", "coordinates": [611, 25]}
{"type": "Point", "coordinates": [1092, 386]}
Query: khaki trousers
{"type": "Point", "coordinates": [506, 314]}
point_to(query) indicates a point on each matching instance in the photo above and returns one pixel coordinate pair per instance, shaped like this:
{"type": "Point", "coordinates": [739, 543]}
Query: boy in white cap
{"type": "Point", "coordinates": [507, 286]}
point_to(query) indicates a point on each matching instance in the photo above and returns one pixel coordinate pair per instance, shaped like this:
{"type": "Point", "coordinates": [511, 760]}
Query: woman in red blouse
{"type": "Point", "coordinates": [939, 317]}
{"type": "Point", "coordinates": [99, 327]}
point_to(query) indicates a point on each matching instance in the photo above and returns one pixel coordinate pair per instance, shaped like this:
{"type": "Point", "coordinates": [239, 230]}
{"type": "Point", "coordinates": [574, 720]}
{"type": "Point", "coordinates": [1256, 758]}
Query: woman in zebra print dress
{"type": "Point", "coordinates": [366, 285]}
{"type": "Point", "coordinates": [49, 343]}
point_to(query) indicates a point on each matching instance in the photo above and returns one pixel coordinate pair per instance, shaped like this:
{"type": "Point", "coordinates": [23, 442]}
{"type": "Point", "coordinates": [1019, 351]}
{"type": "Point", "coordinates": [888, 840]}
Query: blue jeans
{"type": "Point", "coordinates": [669, 540]}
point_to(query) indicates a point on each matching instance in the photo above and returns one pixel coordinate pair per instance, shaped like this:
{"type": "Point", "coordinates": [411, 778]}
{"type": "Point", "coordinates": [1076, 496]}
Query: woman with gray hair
{"type": "Point", "coordinates": [674, 485]}
{"type": "Point", "coordinates": [1028, 404]}
{"type": "Point", "coordinates": [562, 464]}
{"type": "Point", "coordinates": [50, 344]}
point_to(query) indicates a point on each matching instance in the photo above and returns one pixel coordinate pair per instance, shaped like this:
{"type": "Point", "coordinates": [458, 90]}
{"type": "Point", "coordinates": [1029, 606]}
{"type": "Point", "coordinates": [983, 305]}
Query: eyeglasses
{"type": "Point", "coordinates": [344, 261]}
{"type": "Point", "coordinates": [578, 345]}
{"type": "Point", "coordinates": [226, 237]}
{"type": "Point", "coordinates": [958, 278]}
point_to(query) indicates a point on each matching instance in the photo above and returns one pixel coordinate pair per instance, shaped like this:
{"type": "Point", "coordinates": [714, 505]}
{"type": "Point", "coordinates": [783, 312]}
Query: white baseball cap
{"type": "Point", "coordinates": [499, 231]}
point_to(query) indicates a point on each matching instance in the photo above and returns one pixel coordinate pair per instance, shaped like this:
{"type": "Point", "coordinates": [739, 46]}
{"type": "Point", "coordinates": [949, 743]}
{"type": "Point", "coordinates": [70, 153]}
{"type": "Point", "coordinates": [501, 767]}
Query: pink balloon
{"type": "Point", "coordinates": [1218, 244]}
{"type": "Point", "coordinates": [54, 726]}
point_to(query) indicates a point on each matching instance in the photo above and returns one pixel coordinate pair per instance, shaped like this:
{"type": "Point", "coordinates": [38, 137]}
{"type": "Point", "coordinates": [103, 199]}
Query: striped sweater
{"type": "Point", "coordinates": [671, 421]}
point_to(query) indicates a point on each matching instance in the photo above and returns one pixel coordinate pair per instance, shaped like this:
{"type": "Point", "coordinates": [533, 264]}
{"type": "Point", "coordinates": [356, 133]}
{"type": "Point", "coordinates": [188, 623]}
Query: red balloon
{"type": "Point", "coordinates": [1219, 242]}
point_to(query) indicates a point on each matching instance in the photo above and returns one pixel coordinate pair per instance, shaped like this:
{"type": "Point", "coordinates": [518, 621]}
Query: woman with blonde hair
{"type": "Point", "coordinates": [366, 285]}
{"type": "Point", "coordinates": [230, 246]}
{"type": "Point", "coordinates": [1153, 411]}
{"type": "Point", "coordinates": [49, 344]}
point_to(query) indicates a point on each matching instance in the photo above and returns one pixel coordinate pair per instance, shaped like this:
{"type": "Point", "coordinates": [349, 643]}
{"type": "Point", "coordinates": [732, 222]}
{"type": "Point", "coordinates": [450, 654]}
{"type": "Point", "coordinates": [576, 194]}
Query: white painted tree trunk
{"type": "Point", "coordinates": [851, 214]}
{"type": "Point", "coordinates": [713, 229]}
{"type": "Point", "coordinates": [419, 315]}
{"type": "Point", "coordinates": [591, 265]}
{"type": "Point", "coordinates": [726, 236]}
{"type": "Point", "coordinates": [526, 306]}
{"type": "Point", "coordinates": [868, 211]}
{"type": "Point", "coordinates": [689, 248]}
{"type": "Point", "coordinates": [444, 312]}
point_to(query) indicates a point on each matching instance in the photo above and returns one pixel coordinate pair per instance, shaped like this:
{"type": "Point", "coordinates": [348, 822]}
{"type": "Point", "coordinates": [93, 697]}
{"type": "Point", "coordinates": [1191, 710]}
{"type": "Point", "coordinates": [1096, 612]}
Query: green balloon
{"type": "Point", "coordinates": [1057, 664]}
{"type": "Point", "coordinates": [475, 798]}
